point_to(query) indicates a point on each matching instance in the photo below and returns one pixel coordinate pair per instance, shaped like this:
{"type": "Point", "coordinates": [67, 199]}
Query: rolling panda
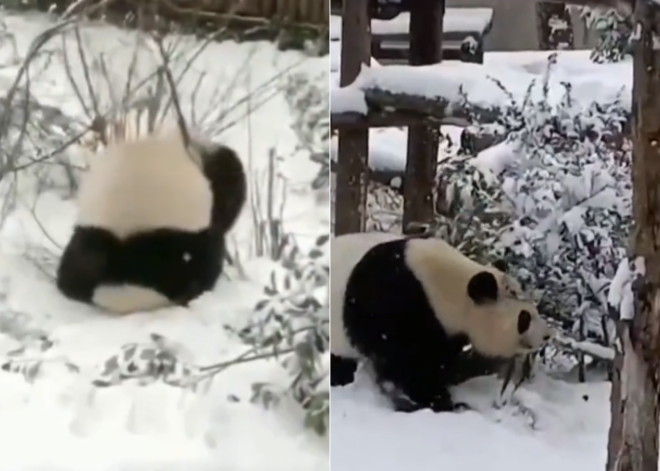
{"type": "Point", "coordinates": [411, 306]}
{"type": "Point", "coordinates": [151, 224]}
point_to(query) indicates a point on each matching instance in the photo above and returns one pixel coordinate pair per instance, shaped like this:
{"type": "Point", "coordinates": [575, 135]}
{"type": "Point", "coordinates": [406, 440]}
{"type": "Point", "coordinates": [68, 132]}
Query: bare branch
{"type": "Point", "coordinates": [165, 69]}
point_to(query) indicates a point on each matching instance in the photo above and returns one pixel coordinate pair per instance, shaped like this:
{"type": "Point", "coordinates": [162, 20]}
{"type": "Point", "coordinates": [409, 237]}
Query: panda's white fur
{"type": "Point", "coordinates": [444, 273]}
{"type": "Point", "coordinates": [125, 299]}
{"type": "Point", "coordinates": [152, 182]}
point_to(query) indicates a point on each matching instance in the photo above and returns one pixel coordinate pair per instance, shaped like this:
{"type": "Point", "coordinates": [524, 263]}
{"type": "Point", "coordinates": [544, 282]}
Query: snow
{"type": "Point", "coordinates": [515, 70]}
{"type": "Point", "coordinates": [547, 425]}
{"type": "Point", "coordinates": [481, 84]}
{"type": "Point", "coordinates": [456, 20]}
{"type": "Point", "coordinates": [621, 295]}
{"type": "Point", "coordinates": [58, 420]}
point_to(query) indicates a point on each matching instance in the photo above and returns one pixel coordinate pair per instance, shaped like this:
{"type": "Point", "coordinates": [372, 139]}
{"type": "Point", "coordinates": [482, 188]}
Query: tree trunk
{"type": "Point", "coordinates": [616, 414]}
{"type": "Point", "coordinates": [634, 438]}
{"type": "Point", "coordinates": [554, 27]}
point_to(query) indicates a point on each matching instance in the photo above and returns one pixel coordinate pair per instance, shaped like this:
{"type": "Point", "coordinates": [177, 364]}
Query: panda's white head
{"type": "Point", "coordinates": [479, 301]}
{"type": "Point", "coordinates": [499, 322]}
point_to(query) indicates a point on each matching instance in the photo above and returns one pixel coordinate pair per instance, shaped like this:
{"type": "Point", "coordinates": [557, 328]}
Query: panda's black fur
{"type": "Point", "coordinates": [151, 226]}
{"type": "Point", "coordinates": [225, 171]}
{"type": "Point", "coordinates": [388, 319]}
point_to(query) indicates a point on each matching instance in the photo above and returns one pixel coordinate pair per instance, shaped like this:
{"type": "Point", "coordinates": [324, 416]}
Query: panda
{"type": "Point", "coordinates": [150, 226]}
{"type": "Point", "coordinates": [412, 306]}
{"type": "Point", "coordinates": [226, 173]}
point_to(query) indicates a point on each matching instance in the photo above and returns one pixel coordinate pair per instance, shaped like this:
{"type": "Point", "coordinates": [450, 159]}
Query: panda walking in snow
{"type": "Point", "coordinates": [151, 225]}
{"type": "Point", "coordinates": [410, 306]}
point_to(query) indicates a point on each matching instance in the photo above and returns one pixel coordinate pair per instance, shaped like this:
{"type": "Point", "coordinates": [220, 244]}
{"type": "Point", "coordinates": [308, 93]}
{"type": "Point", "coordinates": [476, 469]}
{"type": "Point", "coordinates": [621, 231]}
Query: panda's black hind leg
{"type": "Point", "coordinates": [181, 265]}
{"type": "Point", "coordinates": [410, 386]}
{"type": "Point", "coordinates": [225, 171]}
{"type": "Point", "coordinates": [85, 262]}
{"type": "Point", "coordinates": [342, 370]}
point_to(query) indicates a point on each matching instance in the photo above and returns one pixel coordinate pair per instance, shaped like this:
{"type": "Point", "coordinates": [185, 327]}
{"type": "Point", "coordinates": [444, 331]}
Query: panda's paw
{"type": "Point", "coordinates": [183, 302]}
{"type": "Point", "coordinates": [403, 404]}
{"type": "Point", "coordinates": [442, 403]}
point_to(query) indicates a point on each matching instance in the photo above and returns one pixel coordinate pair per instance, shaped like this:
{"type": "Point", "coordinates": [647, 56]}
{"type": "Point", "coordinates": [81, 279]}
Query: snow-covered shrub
{"type": "Point", "coordinates": [559, 208]}
{"type": "Point", "coordinates": [291, 320]}
{"type": "Point", "coordinates": [291, 323]}
{"type": "Point", "coordinates": [384, 208]}
{"type": "Point", "coordinates": [571, 194]}
{"type": "Point", "coordinates": [613, 30]}
{"type": "Point", "coordinates": [470, 203]}
{"type": "Point", "coordinates": [310, 105]}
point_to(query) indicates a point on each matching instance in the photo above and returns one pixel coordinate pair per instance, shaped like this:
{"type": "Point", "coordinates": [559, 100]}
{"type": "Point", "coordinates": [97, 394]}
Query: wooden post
{"type": "Point", "coordinates": [634, 436]}
{"type": "Point", "coordinates": [422, 152]}
{"type": "Point", "coordinates": [353, 145]}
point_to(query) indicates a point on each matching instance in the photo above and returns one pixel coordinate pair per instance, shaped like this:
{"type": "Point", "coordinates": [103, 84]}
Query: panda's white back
{"type": "Point", "coordinates": [345, 253]}
{"type": "Point", "coordinates": [149, 183]}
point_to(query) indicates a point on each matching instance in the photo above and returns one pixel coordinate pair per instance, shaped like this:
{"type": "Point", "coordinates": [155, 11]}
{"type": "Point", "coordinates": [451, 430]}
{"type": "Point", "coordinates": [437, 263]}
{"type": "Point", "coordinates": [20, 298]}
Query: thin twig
{"type": "Point", "coordinates": [165, 69]}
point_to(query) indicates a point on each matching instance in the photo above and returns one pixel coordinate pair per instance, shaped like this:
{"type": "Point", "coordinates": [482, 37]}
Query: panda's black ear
{"type": "Point", "coordinates": [501, 265]}
{"type": "Point", "coordinates": [482, 288]}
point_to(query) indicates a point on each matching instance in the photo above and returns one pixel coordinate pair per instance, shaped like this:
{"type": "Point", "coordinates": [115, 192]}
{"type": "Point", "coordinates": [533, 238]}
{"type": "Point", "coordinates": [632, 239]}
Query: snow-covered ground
{"type": "Point", "coordinates": [548, 424]}
{"type": "Point", "coordinates": [58, 420]}
{"type": "Point", "coordinates": [551, 425]}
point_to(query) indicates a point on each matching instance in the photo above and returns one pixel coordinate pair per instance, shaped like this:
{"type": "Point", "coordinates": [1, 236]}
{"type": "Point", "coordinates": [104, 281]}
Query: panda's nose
{"type": "Point", "coordinates": [547, 337]}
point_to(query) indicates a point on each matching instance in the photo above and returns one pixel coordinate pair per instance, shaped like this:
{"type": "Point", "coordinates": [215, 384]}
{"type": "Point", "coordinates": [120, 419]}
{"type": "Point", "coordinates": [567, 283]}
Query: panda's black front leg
{"type": "Point", "coordinates": [86, 262]}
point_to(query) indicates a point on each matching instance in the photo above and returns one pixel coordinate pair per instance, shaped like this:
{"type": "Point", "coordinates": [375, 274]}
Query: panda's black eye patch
{"type": "Point", "coordinates": [501, 265]}
{"type": "Point", "coordinates": [524, 321]}
{"type": "Point", "coordinates": [482, 288]}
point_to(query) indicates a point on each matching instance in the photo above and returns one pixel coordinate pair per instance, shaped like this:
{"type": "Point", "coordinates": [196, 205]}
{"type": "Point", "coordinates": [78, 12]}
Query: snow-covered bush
{"type": "Point", "coordinates": [471, 206]}
{"type": "Point", "coordinates": [310, 104]}
{"type": "Point", "coordinates": [292, 320]}
{"type": "Point", "coordinates": [292, 317]}
{"type": "Point", "coordinates": [613, 32]}
{"type": "Point", "coordinates": [558, 208]}
{"type": "Point", "coordinates": [571, 194]}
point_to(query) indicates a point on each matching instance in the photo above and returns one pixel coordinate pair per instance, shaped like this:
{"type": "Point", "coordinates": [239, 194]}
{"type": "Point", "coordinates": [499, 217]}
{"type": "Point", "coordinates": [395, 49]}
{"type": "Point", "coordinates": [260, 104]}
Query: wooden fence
{"type": "Point", "coordinates": [298, 11]}
{"type": "Point", "coordinates": [309, 13]}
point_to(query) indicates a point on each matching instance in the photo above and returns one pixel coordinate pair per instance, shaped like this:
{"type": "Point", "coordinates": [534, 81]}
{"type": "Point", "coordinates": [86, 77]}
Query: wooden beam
{"type": "Point", "coordinates": [425, 48]}
{"type": "Point", "coordinates": [353, 144]}
{"type": "Point", "coordinates": [390, 119]}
